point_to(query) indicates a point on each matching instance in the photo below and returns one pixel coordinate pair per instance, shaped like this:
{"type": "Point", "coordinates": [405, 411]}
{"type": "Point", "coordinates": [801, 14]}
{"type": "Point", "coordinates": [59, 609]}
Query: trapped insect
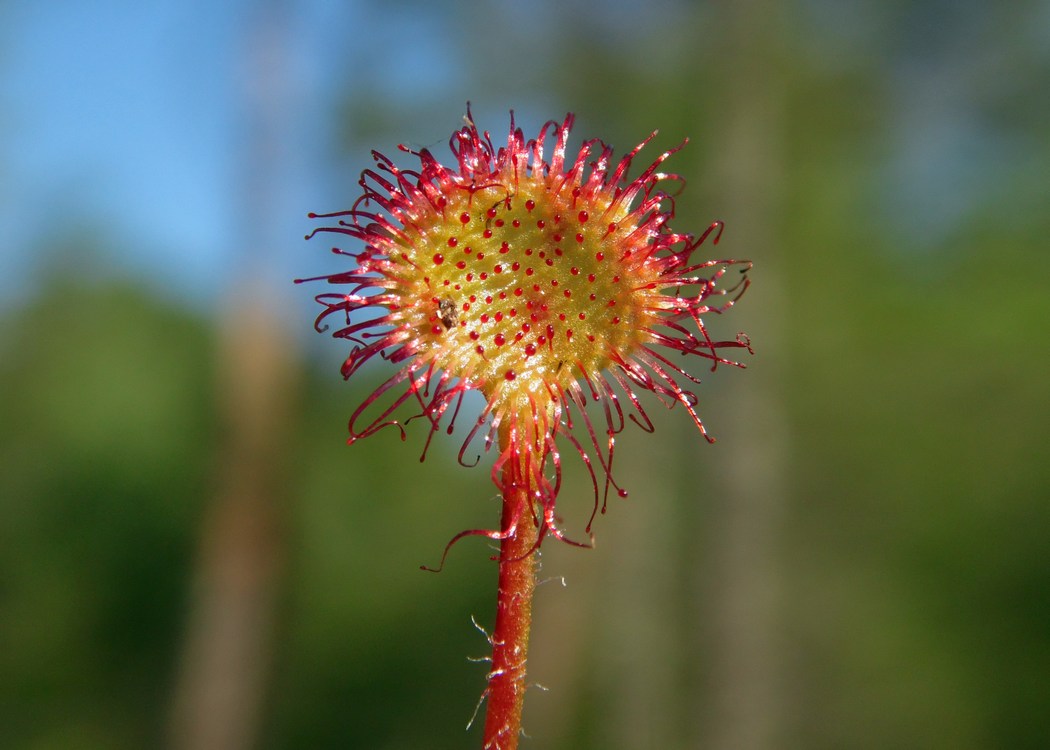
{"type": "Point", "coordinates": [447, 312]}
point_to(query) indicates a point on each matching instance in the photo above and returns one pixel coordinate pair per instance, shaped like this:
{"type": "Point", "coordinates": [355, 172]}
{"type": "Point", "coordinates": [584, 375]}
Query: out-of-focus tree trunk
{"type": "Point", "coordinates": [226, 659]}
{"type": "Point", "coordinates": [739, 590]}
{"type": "Point", "coordinates": [222, 681]}
{"type": "Point", "coordinates": [639, 644]}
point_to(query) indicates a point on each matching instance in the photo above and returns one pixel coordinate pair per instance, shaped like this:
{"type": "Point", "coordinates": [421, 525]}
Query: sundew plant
{"type": "Point", "coordinates": [552, 284]}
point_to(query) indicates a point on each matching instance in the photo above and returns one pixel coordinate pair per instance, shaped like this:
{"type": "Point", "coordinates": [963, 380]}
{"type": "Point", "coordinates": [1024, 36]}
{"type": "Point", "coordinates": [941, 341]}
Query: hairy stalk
{"type": "Point", "coordinates": [517, 581]}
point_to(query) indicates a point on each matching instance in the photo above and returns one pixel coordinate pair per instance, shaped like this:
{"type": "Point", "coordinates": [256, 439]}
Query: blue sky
{"type": "Point", "coordinates": [122, 118]}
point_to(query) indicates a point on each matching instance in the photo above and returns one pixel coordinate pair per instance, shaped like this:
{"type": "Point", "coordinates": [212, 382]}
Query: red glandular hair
{"type": "Point", "coordinates": [545, 284]}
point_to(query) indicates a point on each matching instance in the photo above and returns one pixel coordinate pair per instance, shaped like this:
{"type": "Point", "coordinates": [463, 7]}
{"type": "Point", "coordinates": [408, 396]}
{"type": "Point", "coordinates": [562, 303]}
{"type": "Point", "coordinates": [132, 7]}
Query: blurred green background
{"type": "Point", "coordinates": [190, 555]}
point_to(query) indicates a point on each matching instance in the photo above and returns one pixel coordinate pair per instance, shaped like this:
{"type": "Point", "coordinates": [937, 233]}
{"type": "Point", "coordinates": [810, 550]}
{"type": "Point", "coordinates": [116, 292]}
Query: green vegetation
{"type": "Point", "coordinates": [907, 562]}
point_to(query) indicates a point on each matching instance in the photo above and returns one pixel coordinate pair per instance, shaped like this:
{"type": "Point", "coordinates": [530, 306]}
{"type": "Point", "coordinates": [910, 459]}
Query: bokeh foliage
{"type": "Point", "coordinates": [913, 569]}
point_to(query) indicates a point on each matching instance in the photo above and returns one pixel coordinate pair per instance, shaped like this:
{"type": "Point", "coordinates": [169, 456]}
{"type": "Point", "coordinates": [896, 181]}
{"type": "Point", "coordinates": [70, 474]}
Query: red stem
{"type": "Point", "coordinates": [510, 639]}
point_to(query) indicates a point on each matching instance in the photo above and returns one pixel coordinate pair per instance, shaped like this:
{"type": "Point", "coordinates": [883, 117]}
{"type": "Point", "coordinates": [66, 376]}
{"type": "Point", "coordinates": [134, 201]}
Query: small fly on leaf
{"type": "Point", "coordinates": [447, 312]}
